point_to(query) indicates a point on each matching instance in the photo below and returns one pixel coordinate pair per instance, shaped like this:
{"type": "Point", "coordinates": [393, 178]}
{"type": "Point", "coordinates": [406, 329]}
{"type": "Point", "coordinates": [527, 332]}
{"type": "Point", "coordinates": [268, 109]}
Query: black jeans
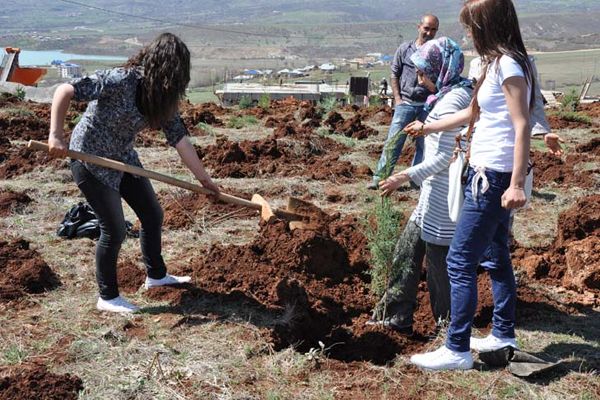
{"type": "Point", "coordinates": [106, 203]}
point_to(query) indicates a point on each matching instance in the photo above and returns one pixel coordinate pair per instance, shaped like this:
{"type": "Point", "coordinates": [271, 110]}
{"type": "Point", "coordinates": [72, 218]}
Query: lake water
{"type": "Point", "coordinates": [45, 57]}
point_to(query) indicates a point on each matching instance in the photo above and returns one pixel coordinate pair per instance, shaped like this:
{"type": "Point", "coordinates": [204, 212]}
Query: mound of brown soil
{"type": "Point", "coordinates": [25, 121]}
{"type": "Point", "coordinates": [314, 277]}
{"type": "Point", "coordinates": [36, 382]}
{"type": "Point", "coordinates": [18, 160]}
{"type": "Point", "coordinates": [23, 270]}
{"type": "Point", "coordinates": [150, 138]}
{"type": "Point", "coordinates": [257, 112]}
{"type": "Point", "coordinates": [549, 169]}
{"type": "Point", "coordinates": [286, 106]}
{"type": "Point", "coordinates": [314, 157]}
{"type": "Point", "coordinates": [12, 202]}
{"type": "Point", "coordinates": [293, 130]}
{"type": "Point", "coordinates": [381, 114]}
{"type": "Point", "coordinates": [130, 275]}
{"type": "Point", "coordinates": [591, 147]}
{"type": "Point", "coordinates": [183, 209]}
{"type": "Point", "coordinates": [352, 127]}
{"type": "Point", "coordinates": [573, 259]}
{"type": "Point", "coordinates": [591, 109]}
{"type": "Point", "coordinates": [556, 123]}
{"type": "Point", "coordinates": [207, 113]}
{"type": "Point", "coordinates": [280, 120]}
{"type": "Point", "coordinates": [580, 221]}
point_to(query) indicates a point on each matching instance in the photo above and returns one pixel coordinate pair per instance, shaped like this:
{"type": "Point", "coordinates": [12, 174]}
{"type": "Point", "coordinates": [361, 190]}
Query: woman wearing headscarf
{"type": "Point", "coordinates": [499, 154]}
{"type": "Point", "coordinates": [428, 232]}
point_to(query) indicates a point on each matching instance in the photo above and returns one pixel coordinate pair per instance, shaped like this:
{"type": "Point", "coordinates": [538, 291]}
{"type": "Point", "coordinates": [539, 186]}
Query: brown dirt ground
{"type": "Point", "coordinates": [36, 382]}
{"type": "Point", "coordinates": [183, 209]}
{"type": "Point", "coordinates": [549, 169]}
{"type": "Point", "coordinates": [573, 260]}
{"type": "Point", "coordinates": [23, 271]}
{"type": "Point", "coordinates": [12, 202]}
{"type": "Point", "coordinates": [317, 158]}
{"type": "Point", "coordinates": [351, 127]}
{"type": "Point", "coordinates": [17, 160]}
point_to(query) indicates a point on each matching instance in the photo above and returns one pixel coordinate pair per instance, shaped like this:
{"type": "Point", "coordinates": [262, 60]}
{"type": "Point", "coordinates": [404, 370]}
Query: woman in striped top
{"type": "Point", "coordinates": [429, 231]}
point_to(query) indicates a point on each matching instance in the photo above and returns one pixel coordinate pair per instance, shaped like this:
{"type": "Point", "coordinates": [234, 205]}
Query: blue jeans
{"type": "Point", "coordinates": [481, 238]}
{"type": "Point", "coordinates": [392, 148]}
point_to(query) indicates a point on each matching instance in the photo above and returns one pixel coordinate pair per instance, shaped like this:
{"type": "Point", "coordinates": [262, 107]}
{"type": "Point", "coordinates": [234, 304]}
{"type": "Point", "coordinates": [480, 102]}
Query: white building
{"type": "Point", "coordinates": [69, 70]}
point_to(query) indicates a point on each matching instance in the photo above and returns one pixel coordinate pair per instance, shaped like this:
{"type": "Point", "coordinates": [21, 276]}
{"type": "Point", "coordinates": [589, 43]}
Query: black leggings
{"type": "Point", "coordinates": [106, 203]}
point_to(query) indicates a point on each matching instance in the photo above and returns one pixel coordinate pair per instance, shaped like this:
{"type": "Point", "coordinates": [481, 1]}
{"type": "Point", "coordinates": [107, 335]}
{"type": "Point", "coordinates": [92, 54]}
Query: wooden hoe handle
{"type": "Point", "coordinates": [119, 166]}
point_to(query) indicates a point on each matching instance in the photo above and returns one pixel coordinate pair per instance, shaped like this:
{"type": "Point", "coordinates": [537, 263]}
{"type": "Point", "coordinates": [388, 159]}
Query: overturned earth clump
{"type": "Point", "coordinates": [36, 382]}
{"type": "Point", "coordinates": [352, 127]}
{"type": "Point", "coordinates": [315, 157]}
{"type": "Point", "coordinates": [11, 201]}
{"type": "Point", "coordinates": [23, 271]}
{"type": "Point", "coordinates": [18, 160]}
{"type": "Point", "coordinates": [549, 169]}
{"type": "Point", "coordinates": [573, 260]}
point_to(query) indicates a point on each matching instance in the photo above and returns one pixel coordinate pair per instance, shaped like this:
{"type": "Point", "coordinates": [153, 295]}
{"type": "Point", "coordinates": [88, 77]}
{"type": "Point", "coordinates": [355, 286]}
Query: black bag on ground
{"type": "Point", "coordinates": [79, 221]}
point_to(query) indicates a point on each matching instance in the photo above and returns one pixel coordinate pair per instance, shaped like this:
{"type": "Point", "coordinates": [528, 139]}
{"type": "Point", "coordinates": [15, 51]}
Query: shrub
{"type": "Point", "coordinates": [570, 101]}
{"type": "Point", "coordinates": [381, 232]}
{"type": "Point", "coordinates": [20, 93]}
{"type": "Point", "coordinates": [264, 101]}
{"type": "Point", "coordinates": [328, 104]}
{"type": "Point", "coordinates": [375, 101]}
{"type": "Point", "coordinates": [245, 102]}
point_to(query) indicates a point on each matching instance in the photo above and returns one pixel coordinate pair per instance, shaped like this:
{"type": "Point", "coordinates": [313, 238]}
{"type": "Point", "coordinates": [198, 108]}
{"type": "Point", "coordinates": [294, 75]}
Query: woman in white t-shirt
{"type": "Point", "coordinates": [497, 167]}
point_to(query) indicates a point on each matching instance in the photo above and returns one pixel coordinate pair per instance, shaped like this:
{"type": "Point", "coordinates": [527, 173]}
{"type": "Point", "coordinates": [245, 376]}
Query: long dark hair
{"type": "Point", "coordinates": [494, 27]}
{"type": "Point", "coordinates": [166, 74]}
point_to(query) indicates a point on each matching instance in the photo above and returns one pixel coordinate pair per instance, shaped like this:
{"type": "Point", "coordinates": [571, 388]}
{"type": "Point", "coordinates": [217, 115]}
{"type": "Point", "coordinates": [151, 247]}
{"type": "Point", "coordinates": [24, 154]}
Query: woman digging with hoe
{"type": "Point", "coordinates": [145, 92]}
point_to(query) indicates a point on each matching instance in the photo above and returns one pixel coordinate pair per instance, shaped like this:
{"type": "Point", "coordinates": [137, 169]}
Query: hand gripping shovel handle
{"type": "Point", "coordinates": [119, 166]}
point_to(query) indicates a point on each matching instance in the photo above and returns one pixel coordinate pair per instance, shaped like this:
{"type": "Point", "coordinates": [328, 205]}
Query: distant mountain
{"type": "Point", "coordinates": [48, 14]}
{"type": "Point", "coordinates": [300, 27]}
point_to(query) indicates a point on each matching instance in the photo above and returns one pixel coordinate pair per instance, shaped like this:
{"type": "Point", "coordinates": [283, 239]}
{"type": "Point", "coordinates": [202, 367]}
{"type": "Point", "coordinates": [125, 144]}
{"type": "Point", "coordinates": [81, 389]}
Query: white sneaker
{"type": "Point", "coordinates": [443, 359]}
{"type": "Point", "coordinates": [116, 305]}
{"type": "Point", "coordinates": [491, 343]}
{"type": "Point", "coordinates": [167, 280]}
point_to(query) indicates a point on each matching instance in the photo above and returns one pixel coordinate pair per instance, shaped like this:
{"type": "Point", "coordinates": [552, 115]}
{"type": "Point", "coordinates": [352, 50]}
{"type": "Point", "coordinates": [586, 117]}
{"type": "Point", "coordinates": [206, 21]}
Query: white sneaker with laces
{"type": "Point", "coordinates": [491, 343]}
{"type": "Point", "coordinates": [116, 305]}
{"type": "Point", "coordinates": [167, 280]}
{"type": "Point", "coordinates": [443, 359]}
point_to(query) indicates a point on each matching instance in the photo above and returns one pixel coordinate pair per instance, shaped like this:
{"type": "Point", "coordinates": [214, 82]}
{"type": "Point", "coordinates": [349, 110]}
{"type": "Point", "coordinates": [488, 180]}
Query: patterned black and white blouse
{"type": "Point", "coordinates": [112, 120]}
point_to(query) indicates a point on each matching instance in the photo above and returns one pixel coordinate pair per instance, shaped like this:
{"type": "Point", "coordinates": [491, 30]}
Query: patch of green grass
{"type": "Point", "coordinates": [206, 128]}
{"type": "Point", "coordinates": [197, 96]}
{"type": "Point", "coordinates": [17, 112]}
{"type": "Point", "coordinates": [14, 354]}
{"type": "Point", "coordinates": [241, 122]}
{"type": "Point", "coordinates": [345, 140]}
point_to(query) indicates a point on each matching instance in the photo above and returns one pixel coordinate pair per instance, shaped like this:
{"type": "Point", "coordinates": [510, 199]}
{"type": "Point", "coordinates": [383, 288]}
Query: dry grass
{"type": "Point", "coordinates": [217, 350]}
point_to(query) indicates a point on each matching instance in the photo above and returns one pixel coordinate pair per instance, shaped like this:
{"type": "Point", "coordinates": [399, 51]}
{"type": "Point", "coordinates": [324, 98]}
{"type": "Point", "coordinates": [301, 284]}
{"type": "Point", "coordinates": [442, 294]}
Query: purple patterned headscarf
{"type": "Point", "coordinates": [442, 61]}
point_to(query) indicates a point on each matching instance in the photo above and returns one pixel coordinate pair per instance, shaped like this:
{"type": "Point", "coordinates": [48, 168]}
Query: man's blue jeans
{"type": "Point", "coordinates": [481, 238]}
{"type": "Point", "coordinates": [392, 148]}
